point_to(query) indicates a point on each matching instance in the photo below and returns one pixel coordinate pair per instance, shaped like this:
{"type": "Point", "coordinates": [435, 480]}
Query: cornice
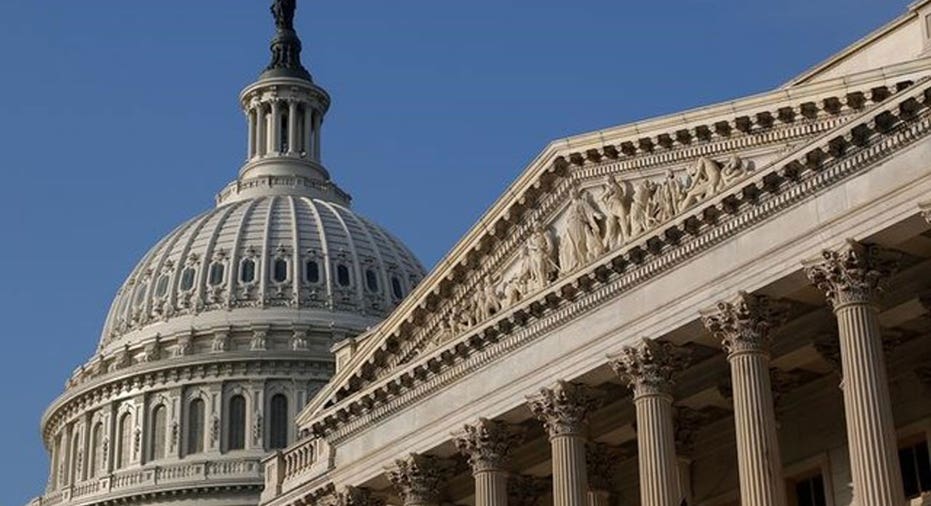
{"type": "Point", "coordinates": [523, 200]}
{"type": "Point", "coordinates": [796, 176]}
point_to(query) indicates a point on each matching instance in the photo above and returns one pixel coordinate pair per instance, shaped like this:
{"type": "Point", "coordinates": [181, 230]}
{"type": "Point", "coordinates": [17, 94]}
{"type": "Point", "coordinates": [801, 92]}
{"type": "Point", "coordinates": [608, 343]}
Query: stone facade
{"type": "Point", "coordinates": [685, 295]}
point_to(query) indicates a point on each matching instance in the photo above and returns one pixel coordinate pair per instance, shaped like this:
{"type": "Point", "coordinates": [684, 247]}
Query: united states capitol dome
{"type": "Point", "coordinates": [227, 326]}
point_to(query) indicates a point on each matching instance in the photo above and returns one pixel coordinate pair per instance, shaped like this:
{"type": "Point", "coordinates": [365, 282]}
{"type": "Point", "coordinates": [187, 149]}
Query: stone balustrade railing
{"type": "Point", "coordinates": [284, 469]}
{"type": "Point", "coordinates": [151, 477]}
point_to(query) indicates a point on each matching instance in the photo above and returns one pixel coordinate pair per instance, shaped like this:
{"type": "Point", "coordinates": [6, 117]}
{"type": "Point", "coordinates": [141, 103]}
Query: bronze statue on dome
{"type": "Point", "coordinates": [283, 11]}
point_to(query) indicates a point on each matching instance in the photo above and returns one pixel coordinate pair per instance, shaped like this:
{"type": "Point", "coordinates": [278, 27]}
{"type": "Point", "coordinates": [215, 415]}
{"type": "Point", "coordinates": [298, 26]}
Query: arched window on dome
{"type": "Point", "coordinates": [195, 427]}
{"type": "Point", "coordinates": [159, 432]}
{"type": "Point", "coordinates": [187, 278]}
{"type": "Point", "coordinates": [123, 441]}
{"type": "Point", "coordinates": [217, 273]}
{"type": "Point", "coordinates": [343, 278]}
{"type": "Point", "coordinates": [74, 456]}
{"type": "Point", "coordinates": [96, 450]}
{"type": "Point", "coordinates": [247, 270]}
{"type": "Point", "coordinates": [396, 289]}
{"type": "Point", "coordinates": [312, 271]}
{"type": "Point", "coordinates": [161, 286]}
{"type": "Point", "coordinates": [237, 427]}
{"type": "Point", "coordinates": [371, 281]}
{"type": "Point", "coordinates": [139, 296]}
{"type": "Point", "coordinates": [280, 270]}
{"type": "Point", "coordinates": [278, 422]}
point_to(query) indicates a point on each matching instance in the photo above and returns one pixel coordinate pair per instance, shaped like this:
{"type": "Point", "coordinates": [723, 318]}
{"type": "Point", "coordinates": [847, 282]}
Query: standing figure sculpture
{"type": "Point", "coordinates": [617, 221]}
{"type": "Point", "coordinates": [582, 231]}
{"type": "Point", "coordinates": [283, 11]}
{"type": "Point", "coordinates": [540, 258]}
{"type": "Point", "coordinates": [640, 207]}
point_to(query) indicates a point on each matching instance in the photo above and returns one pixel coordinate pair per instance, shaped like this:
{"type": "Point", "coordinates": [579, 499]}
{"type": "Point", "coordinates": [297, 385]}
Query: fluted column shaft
{"type": "Point", "coordinates": [316, 136]}
{"type": "Point", "coordinates": [251, 115]}
{"type": "Point", "coordinates": [564, 411]}
{"type": "Point", "coordinates": [261, 131]}
{"type": "Point", "coordinates": [648, 369]}
{"type": "Point", "coordinates": [307, 134]}
{"type": "Point", "coordinates": [570, 477]}
{"type": "Point", "coordinates": [758, 455]}
{"type": "Point", "coordinates": [851, 278]}
{"type": "Point", "coordinates": [487, 444]}
{"type": "Point", "coordinates": [491, 488]}
{"type": "Point", "coordinates": [274, 129]}
{"type": "Point", "coordinates": [599, 498]}
{"type": "Point", "coordinates": [293, 128]}
{"type": "Point", "coordinates": [744, 328]}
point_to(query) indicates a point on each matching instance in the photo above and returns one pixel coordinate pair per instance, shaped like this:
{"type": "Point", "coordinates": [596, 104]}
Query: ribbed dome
{"type": "Point", "coordinates": [269, 252]}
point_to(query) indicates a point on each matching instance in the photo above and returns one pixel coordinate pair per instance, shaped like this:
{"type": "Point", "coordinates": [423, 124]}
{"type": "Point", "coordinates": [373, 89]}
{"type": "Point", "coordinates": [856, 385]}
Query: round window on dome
{"type": "Point", "coordinates": [371, 281]}
{"type": "Point", "coordinates": [280, 270]}
{"type": "Point", "coordinates": [312, 272]}
{"type": "Point", "coordinates": [247, 270]}
{"type": "Point", "coordinates": [342, 275]}
{"type": "Point", "coordinates": [187, 278]}
{"type": "Point", "coordinates": [161, 286]}
{"type": "Point", "coordinates": [396, 288]}
{"type": "Point", "coordinates": [217, 273]}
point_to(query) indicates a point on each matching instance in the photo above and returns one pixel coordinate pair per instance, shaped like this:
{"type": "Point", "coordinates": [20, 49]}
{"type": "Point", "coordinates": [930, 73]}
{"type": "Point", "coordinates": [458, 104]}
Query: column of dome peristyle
{"type": "Point", "coordinates": [564, 411]}
{"type": "Point", "coordinates": [648, 369]}
{"type": "Point", "coordinates": [284, 114]}
{"type": "Point", "coordinates": [488, 445]}
{"type": "Point", "coordinates": [744, 326]}
{"type": "Point", "coordinates": [850, 278]}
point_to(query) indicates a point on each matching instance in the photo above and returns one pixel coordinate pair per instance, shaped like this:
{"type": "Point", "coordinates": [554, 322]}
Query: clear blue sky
{"type": "Point", "coordinates": [118, 120]}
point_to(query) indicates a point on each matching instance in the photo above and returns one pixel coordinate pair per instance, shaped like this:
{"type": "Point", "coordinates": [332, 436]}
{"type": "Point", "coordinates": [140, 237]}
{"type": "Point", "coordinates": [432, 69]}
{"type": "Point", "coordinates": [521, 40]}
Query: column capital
{"type": "Point", "coordinates": [564, 408]}
{"type": "Point", "coordinates": [350, 496]}
{"type": "Point", "coordinates": [852, 274]}
{"type": "Point", "coordinates": [925, 208]}
{"type": "Point", "coordinates": [743, 325]}
{"type": "Point", "coordinates": [524, 490]}
{"type": "Point", "coordinates": [488, 443]}
{"type": "Point", "coordinates": [419, 478]}
{"type": "Point", "coordinates": [648, 368]}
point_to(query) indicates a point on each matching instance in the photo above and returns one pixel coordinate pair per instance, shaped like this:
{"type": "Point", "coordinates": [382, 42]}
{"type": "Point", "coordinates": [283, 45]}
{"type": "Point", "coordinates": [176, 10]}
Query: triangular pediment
{"type": "Point", "coordinates": [586, 198]}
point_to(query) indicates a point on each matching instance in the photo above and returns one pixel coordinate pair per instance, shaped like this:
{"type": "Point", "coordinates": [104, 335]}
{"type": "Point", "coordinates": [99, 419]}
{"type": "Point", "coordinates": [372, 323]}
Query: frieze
{"type": "Point", "coordinates": [778, 185]}
{"type": "Point", "coordinates": [615, 210]}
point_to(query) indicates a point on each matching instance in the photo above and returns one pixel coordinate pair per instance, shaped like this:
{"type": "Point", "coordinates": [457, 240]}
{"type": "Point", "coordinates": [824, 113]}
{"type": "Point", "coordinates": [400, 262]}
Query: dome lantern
{"type": "Point", "coordinates": [284, 112]}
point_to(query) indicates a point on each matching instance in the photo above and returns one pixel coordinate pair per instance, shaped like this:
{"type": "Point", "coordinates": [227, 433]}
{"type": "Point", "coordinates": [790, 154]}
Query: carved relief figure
{"type": "Point", "coordinates": [540, 265]}
{"type": "Point", "coordinates": [616, 203]}
{"type": "Point", "coordinates": [734, 169]}
{"type": "Point", "coordinates": [583, 235]}
{"type": "Point", "coordinates": [639, 207]}
{"type": "Point", "coordinates": [704, 181]}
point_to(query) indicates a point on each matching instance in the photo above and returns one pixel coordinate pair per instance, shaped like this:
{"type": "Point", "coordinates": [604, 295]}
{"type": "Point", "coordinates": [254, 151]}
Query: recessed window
{"type": "Point", "coordinates": [280, 270]}
{"type": "Point", "coordinates": [159, 431]}
{"type": "Point", "coordinates": [237, 432]}
{"type": "Point", "coordinates": [161, 286]}
{"type": "Point", "coordinates": [195, 427]}
{"type": "Point", "coordinates": [396, 288]}
{"type": "Point", "coordinates": [187, 278]}
{"type": "Point", "coordinates": [371, 280]}
{"type": "Point", "coordinates": [916, 468]}
{"type": "Point", "coordinates": [312, 271]}
{"type": "Point", "coordinates": [342, 275]}
{"type": "Point", "coordinates": [140, 294]}
{"type": "Point", "coordinates": [278, 422]}
{"type": "Point", "coordinates": [810, 492]}
{"type": "Point", "coordinates": [217, 271]}
{"type": "Point", "coordinates": [124, 441]}
{"type": "Point", "coordinates": [247, 270]}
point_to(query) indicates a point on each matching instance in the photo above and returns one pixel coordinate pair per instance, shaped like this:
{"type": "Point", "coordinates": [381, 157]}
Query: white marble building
{"type": "Point", "coordinates": [223, 330]}
{"type": "Point", "coordinates": [727, 305]}
{"type": "Point", "coordinates": [722, 306]}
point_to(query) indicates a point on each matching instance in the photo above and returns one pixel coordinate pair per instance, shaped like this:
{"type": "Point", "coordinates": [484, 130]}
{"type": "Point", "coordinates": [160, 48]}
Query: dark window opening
{"type": "Point", "coordinates": [396, 288]}
{"type": "Point", "coordinates": [312, 271]}
{"type": "Point", "coordinates": [810, 492]}
{"type": "Point", "coordinates": [371, 280]}
{"type": "Point", "coordinates": [195, 427]}
{"type": "Point", "coordinates": [217, 271]}
{"type": "Point", "coordinates": [237, 437]}
{"type": "Point", "coordinates": [161, 287]}
{"type": "Point", "coordinates": [916, 469]}
{"type": "Point", "coordinates": [342, 275]}
{"type": "Point", "coordinates": [187, 278]}
{"type": "Point", "coordinates": [278, 422]}
{"type": "Point", "coordinates": [280, 270]}
{"type": "Point", "coordinates": [247, 270]}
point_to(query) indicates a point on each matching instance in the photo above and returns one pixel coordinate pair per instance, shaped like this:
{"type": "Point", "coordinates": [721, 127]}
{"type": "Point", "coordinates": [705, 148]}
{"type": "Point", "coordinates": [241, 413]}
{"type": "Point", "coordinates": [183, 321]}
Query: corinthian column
{"type": "Point", "coordinates": [744, 329]}
{"type": "Point", "coordinates": [419, 479]}
{"type": "Point", "coordinates": [488, 445]}
{"type": "Point", "coordinates": [564, 410]}
{"type": "Point", "coordinates": [851, 278]}
{"type": "Point", "coordinates": [648, 370]}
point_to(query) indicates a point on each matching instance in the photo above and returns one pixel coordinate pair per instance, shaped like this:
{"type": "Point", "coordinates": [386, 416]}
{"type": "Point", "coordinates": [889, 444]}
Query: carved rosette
{"type": "Point", "coordinates": [419, 478]}
{"type": "Point", "coordinates": [526, 490]}
{"type": "Point", "coordinates": [564, 408]}
{"type": "Point", "coordinates": [488, 444]}
{"type": "Point", "coordinates": [853, 274]}
{"type": "Point", "coordinates": [648, 368]}
{"type": "Point", "coordinates": [600, 460]}
{"type": "Point", "coordinates": [744, 324]}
